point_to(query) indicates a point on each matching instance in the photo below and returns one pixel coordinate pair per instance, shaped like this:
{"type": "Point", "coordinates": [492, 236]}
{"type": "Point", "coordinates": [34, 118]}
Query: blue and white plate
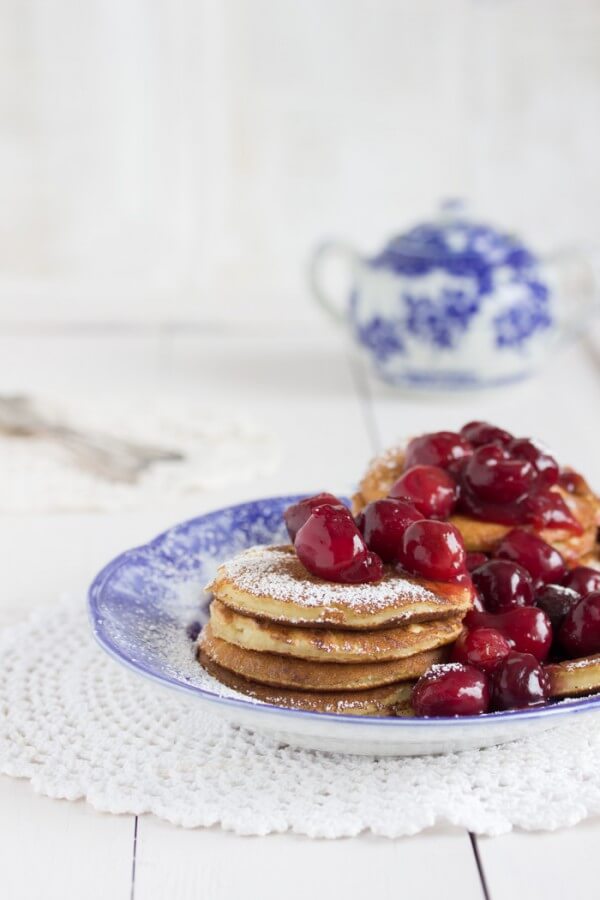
{"type": "Point", "coordinates": [148, 604]}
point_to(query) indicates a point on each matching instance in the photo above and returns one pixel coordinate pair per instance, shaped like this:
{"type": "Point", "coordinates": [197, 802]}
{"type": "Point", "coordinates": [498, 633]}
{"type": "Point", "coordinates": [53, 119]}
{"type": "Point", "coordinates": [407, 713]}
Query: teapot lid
{"type": "Point", "coordinates": [456, 243]}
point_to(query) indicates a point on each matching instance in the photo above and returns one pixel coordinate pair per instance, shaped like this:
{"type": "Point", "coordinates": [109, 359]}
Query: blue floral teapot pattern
{"type": "Point", "coordinates": [455, 303]}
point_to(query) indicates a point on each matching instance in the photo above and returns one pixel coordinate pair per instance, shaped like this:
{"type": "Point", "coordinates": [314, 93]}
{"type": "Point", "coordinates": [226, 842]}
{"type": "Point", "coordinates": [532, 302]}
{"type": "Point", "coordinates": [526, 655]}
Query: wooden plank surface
{"type": "Point", "coordinates": [223, 866]}
{"type": "Point", "coordinates": [556, 864]}
{"type": "Point", "coordinates": [56, 850]}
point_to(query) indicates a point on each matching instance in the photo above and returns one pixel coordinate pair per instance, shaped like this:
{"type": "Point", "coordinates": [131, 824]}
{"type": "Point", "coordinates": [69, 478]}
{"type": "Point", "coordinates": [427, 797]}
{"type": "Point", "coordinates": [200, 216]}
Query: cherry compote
{"type": "Point", "coordinates": [330, 546]}
{"type": "Point", "coordinates": [432, 490]}
{"type": "Point", "coordinates": [543, 562]}
{"type": "Point", "coordinates": [511, 481]}
{"type": "Point", "coordinates": [440, 448]}
{"type": "Point", "coordinates": [296, 515]}
{"type": "Point", "coordinates": [502, 585]}
{"type": "Point", "coordinates": [519, 681]}
{"type": "Point", "coordinates": [544, 464]}
{"type": "Point", "coordinates": [434, 550]}
{"type": "Point", "coordinates": [451, 690]}
{"type": "Point", "coordinates": [527, 628]}
{"type": "Point", "coordinates": [573, 482]}
{"type": "Point", "coordinates": [491, 474]}
{"type": "Point", "coordinates": [475, 559]}
{"type": "Point", "coordinates": [383, 523]}
{"type": "Point", "coordinates": [556, 601]}
{"type": "Point", "coordinates": [479, 433]}
{"type": "Point", "coordinates": [579, 633]}
{"type": "Point", "coordinates": [547, 509]}
{"type": "Point", "coordinates": [483, 648]}
{"type": "Point", "coordinates": [583, 579]}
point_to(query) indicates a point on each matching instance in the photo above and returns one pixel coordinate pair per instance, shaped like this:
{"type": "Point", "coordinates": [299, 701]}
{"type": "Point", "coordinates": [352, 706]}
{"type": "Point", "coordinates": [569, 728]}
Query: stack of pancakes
{"type": "Point", "coordinates": [286, 637]}
{"type": "Point", "coordinates": [482, 536]}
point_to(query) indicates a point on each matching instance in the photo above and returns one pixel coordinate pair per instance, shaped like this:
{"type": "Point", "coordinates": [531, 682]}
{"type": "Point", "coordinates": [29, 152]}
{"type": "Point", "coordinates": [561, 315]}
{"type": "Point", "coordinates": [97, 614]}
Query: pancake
{"type": "Point", "coordinates": [590, 559]}
{"type": "Point", "coordinates": [574, 678]}
{"type": "Point", "coordinates": [304, 674]}
{"type": "Point", "coordinates": [382, 472]}
{"type": "Point", "coordinates": [390, 700]}
{"type": "Point", "coordinates": [329, 646]}
{"type": "Point", "coordinates": [480, 536]}
{"type": "Point", "coordinates": [271, 583]}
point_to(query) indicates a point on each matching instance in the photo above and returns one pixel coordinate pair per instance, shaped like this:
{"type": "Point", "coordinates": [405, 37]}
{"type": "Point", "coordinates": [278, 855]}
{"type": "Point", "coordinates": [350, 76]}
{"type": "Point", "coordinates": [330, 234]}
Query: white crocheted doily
{"type": "Point", "coordinates": [77, 724]}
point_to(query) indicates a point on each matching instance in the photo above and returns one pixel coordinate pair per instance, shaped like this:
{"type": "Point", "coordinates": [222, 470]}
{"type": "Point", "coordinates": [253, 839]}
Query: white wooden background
{"type": "Point", "coordinates": [177, 161]}
{"type": "Point", "coordinates": [331, 417]}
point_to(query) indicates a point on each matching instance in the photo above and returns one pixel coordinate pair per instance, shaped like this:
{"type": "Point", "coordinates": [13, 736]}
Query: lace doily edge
{"type": "Point", "coordinates": [484, 824]}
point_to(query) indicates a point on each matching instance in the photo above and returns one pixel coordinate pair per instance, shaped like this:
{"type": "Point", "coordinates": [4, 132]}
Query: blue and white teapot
{"type": "Point", "coordinates": [456, 304]}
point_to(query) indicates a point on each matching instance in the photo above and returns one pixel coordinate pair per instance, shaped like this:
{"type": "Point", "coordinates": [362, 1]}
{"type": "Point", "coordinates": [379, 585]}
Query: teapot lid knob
{"type": "Point", "coordinates": [453, 208]}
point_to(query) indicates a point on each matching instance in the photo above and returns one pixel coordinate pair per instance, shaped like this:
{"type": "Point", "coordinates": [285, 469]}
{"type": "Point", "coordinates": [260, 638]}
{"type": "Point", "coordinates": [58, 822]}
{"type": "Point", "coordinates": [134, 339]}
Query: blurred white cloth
{"type": "Point", "coordinates": [37, 475]}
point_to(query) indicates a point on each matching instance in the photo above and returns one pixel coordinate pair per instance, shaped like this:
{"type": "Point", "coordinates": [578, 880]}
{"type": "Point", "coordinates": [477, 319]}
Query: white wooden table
{"type": "Point", "coordinates": [331, 417]}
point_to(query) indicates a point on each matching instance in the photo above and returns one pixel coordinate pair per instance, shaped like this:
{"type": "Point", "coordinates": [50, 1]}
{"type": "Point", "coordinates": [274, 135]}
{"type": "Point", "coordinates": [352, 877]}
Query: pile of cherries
{"type": "Point", "coordinates": [529, 609]}
{"type": "Point", "coordinates": [333, 545]}
{"type": "Point", "coordinates": [482, 471]}
{"type": "Point", "coordinates": [528, 606]}
{"type": "Point", "coordinates": [485, 472]}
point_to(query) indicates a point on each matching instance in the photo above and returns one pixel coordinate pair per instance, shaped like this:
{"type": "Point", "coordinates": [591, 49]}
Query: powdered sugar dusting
{"type": "Point", "coordinates": [276, 572]}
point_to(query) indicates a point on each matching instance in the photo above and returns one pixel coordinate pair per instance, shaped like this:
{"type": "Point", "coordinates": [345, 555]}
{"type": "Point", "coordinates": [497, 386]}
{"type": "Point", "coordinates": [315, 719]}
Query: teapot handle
{"type": "Point", "coordinates": [321, 257]}
{"type": "Point", "coordinates": [580, 282]}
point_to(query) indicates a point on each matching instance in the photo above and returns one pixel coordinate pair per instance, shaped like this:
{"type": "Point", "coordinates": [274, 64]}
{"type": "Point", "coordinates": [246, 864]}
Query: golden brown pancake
{"type": "Point", "coordinates": [480, 536]}
{"type": "Point", "coordinates": [382, 473]}
{"type": "Point", "coordinates": [590, 559]}
{"type": "Point", "coordinates": [574, 678]}
{"type": "Point", "coordinates": [304, 674]}
{"type": "Point", "coordinates": [330, 646]}
{"type": "Point", "coordinates": [271, 583]}
{"type": "Point", "coordinates": [390, 700]}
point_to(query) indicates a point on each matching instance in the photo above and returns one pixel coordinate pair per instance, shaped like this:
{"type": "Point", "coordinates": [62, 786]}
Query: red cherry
{"type": "Point", "coordinates": [433, 549]}
{"type": "Point", "coordinates": [579, 633]}
{"type": "Point", "coordinates": [545, 508]}
{"type": "Point", "coordinates": [483, 648]}
{"type": "Point", "coordinates": [440, 448]}
{"type": "Point", "coordinates": [296, 515]}
{"type": "Point", "coordinates": [573, 482]}
{"type": "Point", "coordinates": [583, 579]}
{"type": "Point", "coordinates": [364, 569]}
{"type": "Point", "coordinates": [502, 585]}
{"type": "Point", "coordinates": [477, 605]}
{"type": "Point", "coordinates": [330, 546]}
{"type": "Point", "coordinates": [479, 433]}
{"type": "Point", "coordinates": [541, 507]}
{"type": "Point", "coordinates": [518, 682]}
{"type": "Point", "coordinates": [543, 562]}
{"type": "Point", "coordinates": [492, 475]}
{"type": "Point", "coordinates": [474, 560]}
{"type": "Point", "coordinates": [527, 628]}
{"type": "Point", "coordinates": [556, 601]}
{"type": "Point", "coordinates": [429, 488]}
{"type": "Point", "coordinates": [451, 690]}
{"type": "Point", "coordinates": [383, 524]}
{"type": "Point", "coordinates": [544, 464]}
